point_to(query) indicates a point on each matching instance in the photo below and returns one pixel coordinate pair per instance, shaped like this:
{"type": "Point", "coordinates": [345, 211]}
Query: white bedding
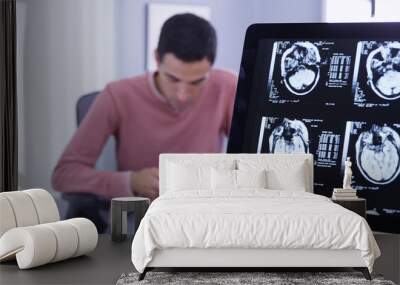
{"type": "Point", "coordinates": [251, 218]}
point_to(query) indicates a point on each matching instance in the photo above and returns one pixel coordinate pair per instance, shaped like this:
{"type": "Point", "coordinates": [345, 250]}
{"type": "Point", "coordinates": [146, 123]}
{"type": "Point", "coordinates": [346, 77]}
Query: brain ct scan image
{"type": "Point", "coordinates": [300, 67]}
{"type": "Point", "coordinates": [383, 70]}
{"type": "Point", "coordinates": [289, 137]}
{"type": "Point", "coordinates": [376, 78]}
{"type": "Point", "coordinates": [316, 71]}
{"type": "Point", "coordinates": [378, 154]}
{"type": "Point", "coordinates": [302, 135]}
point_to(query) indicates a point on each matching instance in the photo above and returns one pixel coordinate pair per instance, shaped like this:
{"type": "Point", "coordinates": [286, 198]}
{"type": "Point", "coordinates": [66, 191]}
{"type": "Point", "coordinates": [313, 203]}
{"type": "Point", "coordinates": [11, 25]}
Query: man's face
{"type": "Point", "coordinates": [181, 82]}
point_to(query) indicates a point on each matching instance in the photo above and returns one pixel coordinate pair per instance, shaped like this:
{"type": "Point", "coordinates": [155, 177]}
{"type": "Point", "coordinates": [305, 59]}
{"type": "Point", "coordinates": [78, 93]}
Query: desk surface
{"type": "Point", "coordinates": [102, 266]}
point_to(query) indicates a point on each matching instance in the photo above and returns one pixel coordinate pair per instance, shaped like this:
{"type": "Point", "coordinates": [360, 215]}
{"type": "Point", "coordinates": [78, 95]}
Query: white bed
{"type": "Point", "coordinates": [193, 224]}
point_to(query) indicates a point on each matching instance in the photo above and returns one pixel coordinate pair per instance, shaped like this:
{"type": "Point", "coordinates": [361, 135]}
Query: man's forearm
{"type": "Point", "coordinates": [74, 177]}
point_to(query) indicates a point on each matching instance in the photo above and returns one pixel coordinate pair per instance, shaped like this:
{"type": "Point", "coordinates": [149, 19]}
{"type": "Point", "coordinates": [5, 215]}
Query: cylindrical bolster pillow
{"type": "Point", "coordinates": [7, 218]}
{"type": "Point", "coordinates": [33, 246]}
{"type": "Point", "coordinates": [46, 207]}
{"type": "Point", "coordinates": [26, 208]}
{"type": "Point", "coordinates": [41, 244]}
{"type": "Point", "coordinates": [67, 240]}
{"type": "Point", "coordinates": [87, 235]}
{"type": "Point", "coordinates": [23, 208]}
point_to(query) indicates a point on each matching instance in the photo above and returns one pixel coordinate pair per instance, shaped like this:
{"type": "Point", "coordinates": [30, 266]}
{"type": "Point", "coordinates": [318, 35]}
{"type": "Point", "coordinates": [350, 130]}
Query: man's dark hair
{"type": "Point", "coordinates": [189, 37]}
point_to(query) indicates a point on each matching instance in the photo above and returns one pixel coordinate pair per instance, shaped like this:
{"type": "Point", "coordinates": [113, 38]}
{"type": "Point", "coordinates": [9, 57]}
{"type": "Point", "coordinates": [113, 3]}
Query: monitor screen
{"type": "Point", "coordinates": [332, 90]}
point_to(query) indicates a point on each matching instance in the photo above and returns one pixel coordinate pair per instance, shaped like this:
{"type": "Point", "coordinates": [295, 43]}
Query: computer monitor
{"type": "Point", "coordinates": [332, 90]}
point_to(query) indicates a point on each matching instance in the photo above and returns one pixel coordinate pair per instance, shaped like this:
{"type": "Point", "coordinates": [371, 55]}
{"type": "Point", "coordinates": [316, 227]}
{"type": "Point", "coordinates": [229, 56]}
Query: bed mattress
{"type": "Point", "coordinates": [251, 219]}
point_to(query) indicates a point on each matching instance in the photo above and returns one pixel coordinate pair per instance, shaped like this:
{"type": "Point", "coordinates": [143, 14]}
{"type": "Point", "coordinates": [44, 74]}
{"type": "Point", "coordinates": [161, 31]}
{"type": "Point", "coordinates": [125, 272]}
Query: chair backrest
{"type": "Point", "coordinates": [210, 159]}
{"type": "Point", "coordinates": [107, 159]}
{"type": "Point", "coordinates": [83, 105]}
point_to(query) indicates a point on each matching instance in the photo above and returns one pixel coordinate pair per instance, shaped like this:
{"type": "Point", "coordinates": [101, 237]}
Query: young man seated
{"type": "Point", "coordinates": [185, 106]}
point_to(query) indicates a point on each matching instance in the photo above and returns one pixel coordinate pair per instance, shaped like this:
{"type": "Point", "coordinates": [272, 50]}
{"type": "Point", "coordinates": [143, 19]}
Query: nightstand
{"type": "Point", "coordinates": [357, 205]}
{"type": "Point", "coordinates": [120, 207]}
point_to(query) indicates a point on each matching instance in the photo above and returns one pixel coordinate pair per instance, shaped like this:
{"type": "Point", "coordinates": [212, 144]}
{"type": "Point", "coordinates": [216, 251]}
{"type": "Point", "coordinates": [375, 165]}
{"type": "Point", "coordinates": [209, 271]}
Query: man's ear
{"type": "Point", "coordinates": [157, 57]}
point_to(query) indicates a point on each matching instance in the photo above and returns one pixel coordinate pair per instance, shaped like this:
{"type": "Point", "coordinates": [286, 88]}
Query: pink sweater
{"type": "Point", "coordinates": [144, 126]}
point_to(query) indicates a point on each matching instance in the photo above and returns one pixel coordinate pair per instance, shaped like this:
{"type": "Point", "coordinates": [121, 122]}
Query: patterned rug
{"type": "Point", "coordinates": [242, 278]}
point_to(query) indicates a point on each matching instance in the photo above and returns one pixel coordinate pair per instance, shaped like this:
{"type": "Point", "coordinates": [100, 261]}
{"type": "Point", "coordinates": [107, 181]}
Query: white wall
{"type": "Point", "coordinates": [21, 27]}
{"type": "Point", "coordinates": [360, 11]}
{"type": "Point", "coordinates": [230, 18]}
{"type": "Point", "coordinates": [68, 50]}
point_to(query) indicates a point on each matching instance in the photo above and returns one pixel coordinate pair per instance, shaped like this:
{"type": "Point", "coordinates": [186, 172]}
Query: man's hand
{"type": "Point", "coordinates": [144, 183]}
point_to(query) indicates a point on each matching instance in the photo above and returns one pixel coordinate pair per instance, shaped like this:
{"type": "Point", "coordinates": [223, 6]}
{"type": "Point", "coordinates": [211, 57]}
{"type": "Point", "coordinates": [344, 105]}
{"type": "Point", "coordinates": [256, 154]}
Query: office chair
{"type": "Point", "coordinates": [89, 205]}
